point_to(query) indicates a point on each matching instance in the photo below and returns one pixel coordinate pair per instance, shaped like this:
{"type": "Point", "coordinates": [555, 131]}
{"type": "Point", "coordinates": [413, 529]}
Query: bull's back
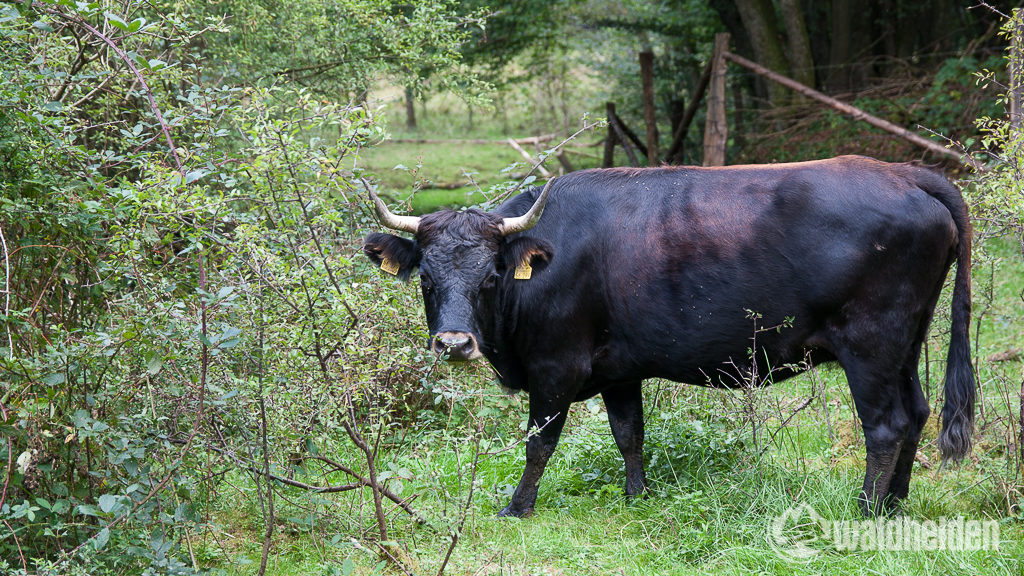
{"type": "Point", "coordinates": [683, 267]}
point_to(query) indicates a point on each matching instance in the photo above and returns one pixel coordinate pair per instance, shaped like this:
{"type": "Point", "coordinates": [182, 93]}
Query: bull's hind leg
{"type": "Point", "coordinates": [916, 407]}
{"type": "Point", "coordinates": [874, 383]}
{"type": "Point", "coordinates": [625, 406]}
{"type": "Point", "coordinates": [914, 403]}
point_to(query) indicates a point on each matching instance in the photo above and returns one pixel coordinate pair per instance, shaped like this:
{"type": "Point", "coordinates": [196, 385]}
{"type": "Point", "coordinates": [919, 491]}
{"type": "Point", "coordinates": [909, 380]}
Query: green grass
{"type": "Point", "coordinates": [409, 171]}
{"type": "Point", "coordinates": [710, 510]}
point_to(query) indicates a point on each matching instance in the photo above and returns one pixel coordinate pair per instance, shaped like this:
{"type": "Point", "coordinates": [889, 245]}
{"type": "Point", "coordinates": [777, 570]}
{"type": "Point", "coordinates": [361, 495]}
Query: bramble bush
{"type": "Point", "coordinates": [181, 303]}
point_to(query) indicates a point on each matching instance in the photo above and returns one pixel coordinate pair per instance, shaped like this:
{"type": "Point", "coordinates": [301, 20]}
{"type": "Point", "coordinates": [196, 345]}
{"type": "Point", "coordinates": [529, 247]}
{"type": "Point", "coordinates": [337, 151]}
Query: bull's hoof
{"type": "Point", "coordinates": [637, 490]}
{"type": "Point", "coordinates": [887, 507]}
{"type": "Point", "coordinates": [511, 511]}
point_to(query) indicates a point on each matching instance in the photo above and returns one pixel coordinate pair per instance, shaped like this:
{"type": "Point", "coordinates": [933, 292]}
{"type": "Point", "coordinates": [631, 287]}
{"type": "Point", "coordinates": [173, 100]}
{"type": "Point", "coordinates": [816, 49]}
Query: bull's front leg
{"type": "Point", "coordinates": [547, 417]}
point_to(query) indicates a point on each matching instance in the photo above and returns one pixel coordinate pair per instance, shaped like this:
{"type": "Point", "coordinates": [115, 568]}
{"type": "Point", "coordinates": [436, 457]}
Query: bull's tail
{"type": "Point", "coordinates": [958, 411]}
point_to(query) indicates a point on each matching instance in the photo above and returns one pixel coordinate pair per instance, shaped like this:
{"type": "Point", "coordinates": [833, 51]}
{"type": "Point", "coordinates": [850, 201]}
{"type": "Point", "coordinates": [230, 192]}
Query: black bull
{"type": "Point", "coordinates": [641, 273]}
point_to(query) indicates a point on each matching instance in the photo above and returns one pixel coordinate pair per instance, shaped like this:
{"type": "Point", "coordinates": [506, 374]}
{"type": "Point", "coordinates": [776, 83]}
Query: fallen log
{"type": "Point", "coordinates": [532, 140]}
{"type": "Point", "coordinates": [852, 111]}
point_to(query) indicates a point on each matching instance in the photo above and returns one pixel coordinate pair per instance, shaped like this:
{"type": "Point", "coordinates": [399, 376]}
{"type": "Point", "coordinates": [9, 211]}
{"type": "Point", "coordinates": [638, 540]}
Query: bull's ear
{"type": "Point", "coordinates": [395, 255]}
{"type": "Point", "coordinates": [527, 255]}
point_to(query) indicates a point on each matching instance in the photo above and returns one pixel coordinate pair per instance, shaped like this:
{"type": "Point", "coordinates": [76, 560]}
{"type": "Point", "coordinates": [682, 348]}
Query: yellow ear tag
{"type": "Point", "coordinates": [389, 266]}
{"type": "Point", "coordinates": [524, 270]}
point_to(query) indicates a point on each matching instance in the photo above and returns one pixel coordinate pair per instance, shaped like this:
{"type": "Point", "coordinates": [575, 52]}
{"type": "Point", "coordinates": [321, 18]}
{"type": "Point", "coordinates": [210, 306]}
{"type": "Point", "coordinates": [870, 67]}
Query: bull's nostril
{"type": "Point", "coordinates": [458, 345]}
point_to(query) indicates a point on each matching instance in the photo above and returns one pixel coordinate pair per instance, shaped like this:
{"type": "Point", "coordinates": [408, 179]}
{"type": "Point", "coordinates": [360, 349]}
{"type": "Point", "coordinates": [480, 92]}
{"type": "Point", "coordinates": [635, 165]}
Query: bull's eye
{"type": "Point", "coordinates": [489, 282]}
{"type": "Point", "coordinates": [426, 284]}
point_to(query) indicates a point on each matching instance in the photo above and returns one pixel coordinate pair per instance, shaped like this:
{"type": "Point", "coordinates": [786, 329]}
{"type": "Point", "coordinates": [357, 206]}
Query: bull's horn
{"type": "Point", "coordinates": [526, 221]}
{"type": "Point", "coordinates": [404, 223]}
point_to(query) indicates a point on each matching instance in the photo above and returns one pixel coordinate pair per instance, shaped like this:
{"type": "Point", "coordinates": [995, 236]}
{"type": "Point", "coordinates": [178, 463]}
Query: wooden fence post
{"type": "Point", "coordinates": [650, 119]}
{"type": "Point", "coordinates": [611, 139]}
{"type": "Point", "coordinates": [716, 130]}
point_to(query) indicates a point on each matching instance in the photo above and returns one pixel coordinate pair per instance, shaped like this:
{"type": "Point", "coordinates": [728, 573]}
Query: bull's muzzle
{"type": "Point", "coordinates": [459, 346]}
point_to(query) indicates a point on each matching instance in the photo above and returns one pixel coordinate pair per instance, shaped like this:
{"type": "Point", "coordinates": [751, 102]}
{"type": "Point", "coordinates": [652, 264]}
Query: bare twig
{"type": "Point", "coordinates": [17, 543]}
{"type": "Point", "coordinates": [456, 532]}
{"type": "Point", "coordinates": [7, 296]}
{"type": "Point", "coordinates": [10, 459]}
{"type": "Point", "coordinates": [541, 160]}
{"type": "Point", "coordinates": [269, 519]}
{"type": "Point", "coordinates": [807, 402]}
{"type": "Point", "coordinates": [371, 468]}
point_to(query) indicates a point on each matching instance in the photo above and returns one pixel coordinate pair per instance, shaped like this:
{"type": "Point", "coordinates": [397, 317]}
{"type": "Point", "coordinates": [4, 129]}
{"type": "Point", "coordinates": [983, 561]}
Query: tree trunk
{"type": "Point", "coordinates": [943, 16]}
{"type": "Point", "coordinates": [716, 130]}
{"type": "Point", "coordinates": [849, 38]}
{"type": "Point", "coordinates": [676, 108]}
{"type": "Point", "coordinates": [740, 42]}
{"type": "Point", "coordinates": [410, 108]}
{"type": "Point", "coordinates": [758, 18]}
{"type": "Point", "coordinates": [801, 61]}
{"type": "Point", "coordinates": [909, 16]}
{"type": "Point", "coordinates": [675, 151]}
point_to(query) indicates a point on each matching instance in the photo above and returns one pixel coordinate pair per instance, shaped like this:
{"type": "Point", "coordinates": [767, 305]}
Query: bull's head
{"type": "Point", "coordinates": [462, 257]}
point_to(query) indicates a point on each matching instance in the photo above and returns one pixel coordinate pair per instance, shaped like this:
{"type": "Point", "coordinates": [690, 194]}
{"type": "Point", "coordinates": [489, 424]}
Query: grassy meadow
{"type": "Point", "coordinates": [462, 170]}
{"type": "Point", "coordinates": [722, 465]}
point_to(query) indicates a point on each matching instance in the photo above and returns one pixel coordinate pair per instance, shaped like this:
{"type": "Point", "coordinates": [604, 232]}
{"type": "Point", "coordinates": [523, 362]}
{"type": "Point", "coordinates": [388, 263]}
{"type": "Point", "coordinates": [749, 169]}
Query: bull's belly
{"type": "Point", "coordinates": [725, 368]}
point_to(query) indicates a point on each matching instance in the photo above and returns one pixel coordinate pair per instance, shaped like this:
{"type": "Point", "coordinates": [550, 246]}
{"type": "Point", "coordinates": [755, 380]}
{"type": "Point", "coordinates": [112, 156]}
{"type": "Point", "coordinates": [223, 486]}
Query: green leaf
{"type": "Point", "coordinates": [60, 506]}
{"type": "Point", "coordinates": [109, 503]}
{"type": "Point", "coordinates": [159, 543]}
{"type": "Point", "coordinates": [8, 13]}
{"type": "Point", "coordinates": [117, 21]}
{"type": "Point", "coordinates": [229, 338]}
{"type": "Point", "coordinates": [154, 364]}
{"type": "Point", "coordinates": [55, 379]}
{"type": "Point", "coordinates": [230, 343]}
{"type": "Point", "coordinates": [194, 175]}
{"type": "Point", "coordinates": [102, 537]}
{"type": "Point", "coordinates": [87, 510]}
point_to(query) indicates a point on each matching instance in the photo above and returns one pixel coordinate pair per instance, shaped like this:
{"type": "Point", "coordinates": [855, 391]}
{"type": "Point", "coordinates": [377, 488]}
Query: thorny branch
{"type": "Point", "coordinates": [123, 56]}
